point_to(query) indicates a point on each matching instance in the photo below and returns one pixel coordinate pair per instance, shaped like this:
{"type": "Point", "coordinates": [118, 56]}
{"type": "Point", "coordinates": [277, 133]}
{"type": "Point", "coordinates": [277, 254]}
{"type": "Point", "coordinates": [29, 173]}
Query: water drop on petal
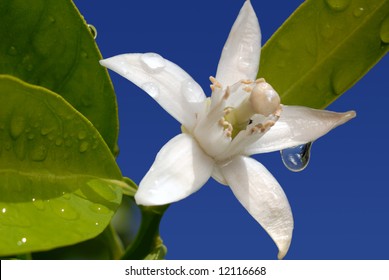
{"type": "Point", "coordinates": [192, 91]}
{"type": "Point", "coordinates": [296, 158]}
{"type": "Point", "coordinates": [244, 63]}
{"type": "Point", "coordinates": [151, 89]}
{"type": "Point", "coordinates": [152, 62]}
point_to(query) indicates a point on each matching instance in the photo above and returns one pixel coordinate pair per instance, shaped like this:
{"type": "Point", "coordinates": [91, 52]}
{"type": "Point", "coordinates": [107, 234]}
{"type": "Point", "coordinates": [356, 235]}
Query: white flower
{"type": "Point", "coordinates": [242, 117]}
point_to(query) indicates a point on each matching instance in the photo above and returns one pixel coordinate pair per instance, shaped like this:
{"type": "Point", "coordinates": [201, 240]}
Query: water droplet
{"type": "Point", "coordinates": [38, 153]}
{"type": "Point", "coordinates": [82, 134]}
{"type": "Point", "coordinates": [98, 208]}
{"type": "Point", "coordinates": [83, 147]}
{"type": "Point", "coordinates": [64, 210]}
{"type": "Point", "coordinates": [384, 30]}
{"type": "Point", "coordinates": [244, 63]}
{"type": "Point", "coordinates": [358, 12]}
{"type": "Point", "coordinates": [152, 62]}
{"type": "Point", "coordinates": [30, 136]}
{"type": "Point", "coordinates": [283, 44]}
{"type": "Point", "coordinates": [296, 158]}
{"type": "Point", "coordinates": [93, 31]}
{"type": "Point", "coordinates": [84, 54]}
{"type": "Point", "coordinates": [12, 51]}
{"type": "Point", "coordinates": [192, 91]}
{"type": "Point", "coordinates": [338, 5]}
{"type": "Point", "coordinates": [22, 241]}
{"type": "Point", "coordinates": [326, 30]}
{"type": "Point", "coordinates": [342, 79]}
{"type": "Point", "coordinates": [12, 216]}
{"type": "Point", "coordinates": [17, 126]}
{"type": "Point", "coordinates": [39, 204]}
{"type": "Point", "coordinates": [46, 130]}
{"type": "Point", "coordinates": [52, 19]}
{"type": "Point", "coordinates": [151, 89]}
{"type": "Point", "coordinates": [59, 141]}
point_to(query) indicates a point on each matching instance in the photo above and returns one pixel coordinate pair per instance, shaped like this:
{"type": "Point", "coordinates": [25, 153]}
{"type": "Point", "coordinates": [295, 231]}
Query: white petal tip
{"type": "Point", "coordinates": [113, 62]}
{"type": "Point", "coordinates": [350, 115]}
{"type": "Point", "coordinates": [281, 255]}
{"type": "Point", "coordinates": [145, 200]}
{"type": "Point", "coordinates": [283, 248]}
{"type": "Point", "coordinates": [345, 117]}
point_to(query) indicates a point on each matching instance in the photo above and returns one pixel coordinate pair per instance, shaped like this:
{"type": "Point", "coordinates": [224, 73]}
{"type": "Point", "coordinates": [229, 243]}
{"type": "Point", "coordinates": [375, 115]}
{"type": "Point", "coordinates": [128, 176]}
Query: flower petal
{"type": "Point", "coordinates": [262, 196]}
{"type": "Point", "coordinates": [241, 52]}
{"type": "Point", "coordinates": [163, 80]}
{"type": "Point", "coordinates": [298, 125]}
{"type": "Point", "coordinates": [180, 169]}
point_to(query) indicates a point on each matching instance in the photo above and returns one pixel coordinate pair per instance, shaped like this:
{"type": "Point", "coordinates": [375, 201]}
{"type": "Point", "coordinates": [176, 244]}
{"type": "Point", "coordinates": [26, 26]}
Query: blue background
{"type": "Point", "coordinates": [340, 202]}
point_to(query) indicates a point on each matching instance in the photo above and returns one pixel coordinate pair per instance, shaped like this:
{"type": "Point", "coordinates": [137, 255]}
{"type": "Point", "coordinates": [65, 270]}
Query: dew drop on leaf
{"type": "Point", "coordinates": [17, 126]}
{"type": "Point", "coordinates": [358, 12]}
{"type": "Point", "coordinates": [98, 208]}
{"type": "Point", "coordinates": [296, 158]}
{"type": "Point", "coordinates": [384, 30]}
{"type": "Point", "coordinates": [338, 5]}
{"type": "Point", "coordinates": [82, 134]}
{"type": "Point", "coordinates": [93, 31]}
{"type": "Point", "coordinates": [38, 203]}
{"type": "Point", "coordinates": [38, 153]}
{"type": "Point", "coordinates": [22, 241]}
{"type": "Point", "coordinates": [84, 146]}
{"type": "Point", "coordinates": [152, 62]}
{"type": "Point", "coordinates": [59, 142]}
{"type": "Point", "coordinates": [64, 210]}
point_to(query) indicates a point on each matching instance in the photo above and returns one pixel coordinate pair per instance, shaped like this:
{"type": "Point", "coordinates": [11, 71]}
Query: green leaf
{"type": "Point", "coordinates": [59, 182]}
{"type": "Point", "coordinates": [324, 48]}
{"type": "Point", "coordinates": [158, 253]}
{"type": "Point", "coordinates": [47, 43]}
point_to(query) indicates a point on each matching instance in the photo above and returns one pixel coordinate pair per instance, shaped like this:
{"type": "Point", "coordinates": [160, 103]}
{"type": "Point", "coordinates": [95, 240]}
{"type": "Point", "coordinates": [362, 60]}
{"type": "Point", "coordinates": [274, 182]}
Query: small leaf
{"type": "Point", "coordinates": [324, 48]}
{"type": "Point", "coordinates": [59, 183]}
{"type": "Point", "coordinates": [158, 253]}
{"type": "Point", "coordinates": [48, 43]}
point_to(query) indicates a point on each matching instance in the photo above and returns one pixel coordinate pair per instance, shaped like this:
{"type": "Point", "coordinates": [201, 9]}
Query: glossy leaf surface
{"type": "Point", "coordinates": [59, 183]}
{"type": "Point", "coordinates": [324, 48]}
{"type": "Point", "coordinates": [47, 43]}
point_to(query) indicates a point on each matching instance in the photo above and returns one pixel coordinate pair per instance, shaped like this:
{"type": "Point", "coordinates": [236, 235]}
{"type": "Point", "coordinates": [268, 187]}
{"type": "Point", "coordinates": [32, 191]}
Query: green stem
{"type": "Point", "coordinates": [113, 241]}
{"type": "Point", "coordinates": [147, 238]}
